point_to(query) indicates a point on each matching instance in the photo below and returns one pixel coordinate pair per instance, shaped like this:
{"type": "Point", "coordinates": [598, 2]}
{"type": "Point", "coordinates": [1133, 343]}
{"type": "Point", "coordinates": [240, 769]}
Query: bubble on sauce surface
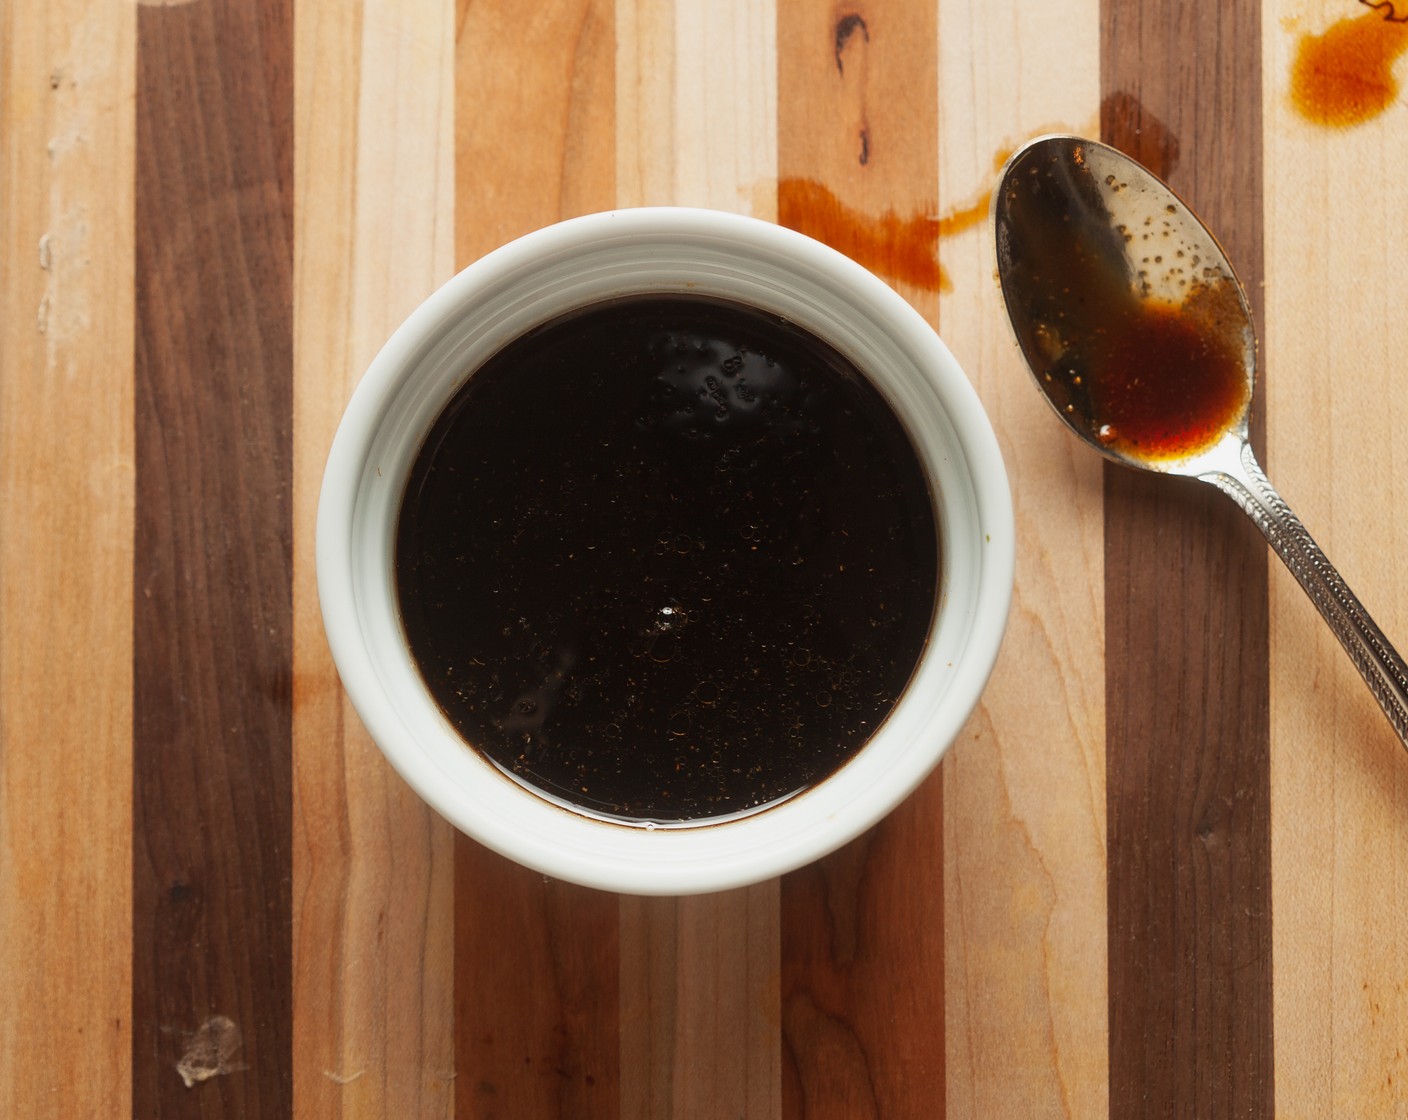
{"type": "Point", "coordinates": [722, 384]}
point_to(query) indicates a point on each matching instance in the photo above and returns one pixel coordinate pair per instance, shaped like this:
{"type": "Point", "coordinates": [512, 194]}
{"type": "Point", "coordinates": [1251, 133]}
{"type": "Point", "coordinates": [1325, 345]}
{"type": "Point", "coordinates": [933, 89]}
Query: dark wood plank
{"type": "Point", "coordinates": [862, 931]}
{"type": "Point", "coordinates": [536, 961]}
{"type": "Point", "coordinates": [212, 575]}
{"type": "Point", "coordinates": [1186, 600]}
{"type": "Point", "coordinates": [536, 991]}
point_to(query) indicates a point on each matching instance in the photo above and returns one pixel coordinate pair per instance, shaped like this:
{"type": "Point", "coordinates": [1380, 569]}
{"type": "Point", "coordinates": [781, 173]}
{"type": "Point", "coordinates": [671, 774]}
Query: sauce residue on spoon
{"type": "Point", "coordinates": [1165, 381]}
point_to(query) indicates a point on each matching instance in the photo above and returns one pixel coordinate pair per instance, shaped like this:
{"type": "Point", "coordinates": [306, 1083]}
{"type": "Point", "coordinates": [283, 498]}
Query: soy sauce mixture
{"type": "Point", "coordinates": [667, 559]}
{"type": "Point", "coordinates": [1164, 379]}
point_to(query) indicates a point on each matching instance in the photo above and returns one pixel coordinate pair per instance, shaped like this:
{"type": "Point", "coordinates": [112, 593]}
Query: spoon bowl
{"type": "Point", "coordinates": [1125, 306]}
{"type": "Point", "coordinates": [1139, 335]}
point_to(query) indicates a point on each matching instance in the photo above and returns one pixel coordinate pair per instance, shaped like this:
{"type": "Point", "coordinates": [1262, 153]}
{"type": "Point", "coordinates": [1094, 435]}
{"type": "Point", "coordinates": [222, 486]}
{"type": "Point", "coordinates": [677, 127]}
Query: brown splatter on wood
{"type": "Point", "coordinates": [1344, 75]}
{"type": "Point", "coordinates": [1388, 8]}
{"type": "Point", "coordinates": [899, 247]}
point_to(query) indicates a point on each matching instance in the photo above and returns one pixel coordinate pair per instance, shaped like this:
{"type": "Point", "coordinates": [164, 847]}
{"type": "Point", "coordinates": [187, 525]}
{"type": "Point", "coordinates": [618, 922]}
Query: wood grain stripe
{"type": "Point", "coordinates": [1339, 448]}
{"type": "Point", "coordinates": [549, 78]}
{"type": "Point", "coordinates": [697, 105]}
{"type": "Point", "coordinates": [212, 620]}
{"type": "Point", "coordinates": [863, 995]}
{"type": "Point", "coordinates": [696, 126]}
{"type": "Point", "coordinates": [1186, 635]}
{"type": "Point", "coordinates": [66, 386]}
{"type": "Point", "coordinates": [373, 865]}
{"type": "Point", "coordinates": [536, 961]}
{"type": "Point", "coordinates": [699, 1005]}
{"type": "Point", "coordinates": [1024, 787]}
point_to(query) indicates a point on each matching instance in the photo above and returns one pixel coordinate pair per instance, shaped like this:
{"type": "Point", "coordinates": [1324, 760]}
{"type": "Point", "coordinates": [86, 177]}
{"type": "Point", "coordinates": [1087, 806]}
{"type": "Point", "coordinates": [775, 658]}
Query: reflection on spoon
{"type": "Point", "coordinates": [1138, 333]}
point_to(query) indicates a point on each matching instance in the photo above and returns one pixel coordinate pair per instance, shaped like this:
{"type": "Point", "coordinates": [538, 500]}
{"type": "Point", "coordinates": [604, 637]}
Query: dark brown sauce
{"type": "Point", "coordinates": [1162, 384]}
{"type": "Point", "coordinates": [667, 559]}
{"type": "Point", "coordinates": [1344, 76]}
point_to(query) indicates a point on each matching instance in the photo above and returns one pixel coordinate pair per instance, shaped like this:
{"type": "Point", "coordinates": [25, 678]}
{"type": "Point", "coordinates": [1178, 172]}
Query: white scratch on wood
{"type": "Point", "coordinates": [211, 1051]}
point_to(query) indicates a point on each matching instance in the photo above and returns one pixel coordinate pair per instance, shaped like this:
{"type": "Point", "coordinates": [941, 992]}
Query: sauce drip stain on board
{"type": "Point", "coordinates": [1344, 76]}
{"type": "Point", "coordinates": [897, 247]}
{"type": "Point", "coordinates": [1388, 9]}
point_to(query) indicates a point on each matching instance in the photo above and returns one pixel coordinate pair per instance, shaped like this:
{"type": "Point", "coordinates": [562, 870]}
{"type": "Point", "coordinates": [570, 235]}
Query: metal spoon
{"type": "Point", "coordinates": [1138, 333]}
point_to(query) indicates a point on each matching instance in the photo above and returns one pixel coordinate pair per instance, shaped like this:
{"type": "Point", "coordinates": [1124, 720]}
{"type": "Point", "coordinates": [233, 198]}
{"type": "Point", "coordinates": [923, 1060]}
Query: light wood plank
{"type": "Point", "coordinates": [536, 986]}
{"type": "Point", "coordinates": [1024, 789]}
{"type": "Point", "coordinates": [697, 126]}
{"type": "Point", "coordinates": [373, 866]}
{"type": "Point", "coordinates": [697, 97]}
{"type": "Point", "coordinates": [645, 102]}
{"type": "Point", "coordinates": [859, 144]}
{"type": "Point", "coordinates": [1338, 451]}
{"type": "Point", "coordinates": [863, 930]}
{"type": "Point", "coordinates": [66, 496]}
{"type": "Point", "coordinates": [566, 166]}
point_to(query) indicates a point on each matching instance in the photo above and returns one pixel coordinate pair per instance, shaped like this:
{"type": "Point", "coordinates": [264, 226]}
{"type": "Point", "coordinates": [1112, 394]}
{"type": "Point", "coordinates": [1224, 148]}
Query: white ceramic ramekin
{"type": "Point", "coordinates": [579, 262]}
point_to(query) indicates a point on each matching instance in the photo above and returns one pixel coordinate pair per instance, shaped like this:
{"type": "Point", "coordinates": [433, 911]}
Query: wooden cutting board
{"type": "Point", "coordinates": [1164, 871]}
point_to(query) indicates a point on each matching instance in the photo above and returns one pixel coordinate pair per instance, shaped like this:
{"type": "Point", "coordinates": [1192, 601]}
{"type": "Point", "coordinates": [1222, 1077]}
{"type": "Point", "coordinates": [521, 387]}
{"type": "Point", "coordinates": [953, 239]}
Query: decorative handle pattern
{"type": "Point", "coordinates": [1372, 653]}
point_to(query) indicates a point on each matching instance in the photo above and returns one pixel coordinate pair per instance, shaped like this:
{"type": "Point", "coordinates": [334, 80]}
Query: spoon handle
{"type": "Point", "coordinates": [1243, 480]}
